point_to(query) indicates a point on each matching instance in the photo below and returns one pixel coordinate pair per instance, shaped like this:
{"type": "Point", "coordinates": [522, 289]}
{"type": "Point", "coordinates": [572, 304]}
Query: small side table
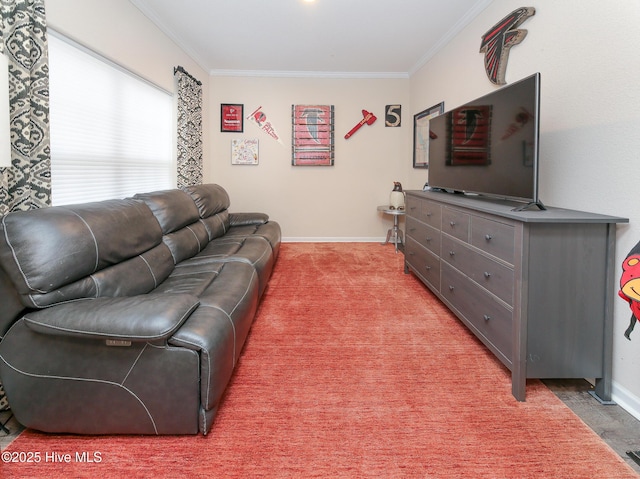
{"type": "Point", "coordinates": [395, 232]}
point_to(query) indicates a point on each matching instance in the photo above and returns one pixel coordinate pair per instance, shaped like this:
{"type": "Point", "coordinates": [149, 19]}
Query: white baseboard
{"type": "Point", "coordinates": [293, 239]}
{"type": "Point", "coordinates": [626, 399]}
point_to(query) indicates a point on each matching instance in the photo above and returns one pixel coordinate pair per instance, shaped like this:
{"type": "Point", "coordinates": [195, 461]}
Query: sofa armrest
{"type": "Point", "coordinates": [140, 318]}
{"type": "Point", "coordinates": [244, 219]}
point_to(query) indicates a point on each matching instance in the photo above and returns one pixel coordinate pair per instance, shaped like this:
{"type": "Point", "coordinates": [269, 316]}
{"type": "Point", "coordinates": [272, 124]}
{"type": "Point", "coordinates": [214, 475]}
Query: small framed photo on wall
{"type": "Point", "coordinates": [231, 117]}
{"type": "Point", "coordinates": [244, 152]}
{"type": "Point", "coordinates": [422, 134]}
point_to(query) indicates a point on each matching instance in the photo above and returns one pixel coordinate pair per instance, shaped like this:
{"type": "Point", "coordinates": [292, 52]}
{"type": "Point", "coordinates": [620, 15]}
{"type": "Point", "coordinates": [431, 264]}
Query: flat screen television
{"type": "Point", "coordinates": [489, 146]}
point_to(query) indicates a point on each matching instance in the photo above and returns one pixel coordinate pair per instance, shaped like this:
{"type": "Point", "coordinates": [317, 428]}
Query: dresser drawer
{"type": "Point", "coordinates": [428, 212]}
{"type": "Point", "coordinates": [424, 234]}
{"type": "Point", "coordinates": [483, 312]}
{"type": "Point", "coordinates": [432, 213]}
{"type": "Point", "coordinates": [497, 239]}
{"type": "Point", "coordinates": [492, 275]}
{"type": "Point", "coordinates": [424, 263]}
{"type": "Point", "coordinates": [456, 223]}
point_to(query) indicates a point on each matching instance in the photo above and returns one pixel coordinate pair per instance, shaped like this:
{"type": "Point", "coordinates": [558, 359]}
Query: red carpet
{"type": "Point", "coordinates": [353, 370]}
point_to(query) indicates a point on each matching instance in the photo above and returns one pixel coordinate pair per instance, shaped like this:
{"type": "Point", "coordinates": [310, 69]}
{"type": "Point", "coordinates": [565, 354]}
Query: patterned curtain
{"type": "Point", "coordinates": [189, 129]}
{"type": "Point", "coordinates": [27, 183]}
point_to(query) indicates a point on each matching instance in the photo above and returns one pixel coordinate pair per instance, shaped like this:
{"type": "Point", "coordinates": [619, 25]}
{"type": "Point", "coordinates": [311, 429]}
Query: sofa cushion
{"type": "Point", "coordinates": [174, 209]}
{"type": "Point", "coordinates": [138, 275]}
{"type": "Point", "coordinates": [49, 248]}
{"type": "Point", "coordinates": [217, 225]}
{"type": "Point", "coordinates": [253, 250]}
{"type": "Point", "coordinates": [212, 202]}
{"type": "Point", "coordinates": [270, 231]}
{"type": "Point", "coordinates": [218, 249]}
{"type": "Point", "coordinates": [210, 199]}
{"type": "Point", "coordinates": [190, 279]}
{"type": "Point", "coordinates": [187, 241]}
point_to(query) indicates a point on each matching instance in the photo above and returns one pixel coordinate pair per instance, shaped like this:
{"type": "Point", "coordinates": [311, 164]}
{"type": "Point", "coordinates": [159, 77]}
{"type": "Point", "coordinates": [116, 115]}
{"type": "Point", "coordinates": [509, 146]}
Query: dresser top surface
{"type": "Point", "coordinates": [505, 209]}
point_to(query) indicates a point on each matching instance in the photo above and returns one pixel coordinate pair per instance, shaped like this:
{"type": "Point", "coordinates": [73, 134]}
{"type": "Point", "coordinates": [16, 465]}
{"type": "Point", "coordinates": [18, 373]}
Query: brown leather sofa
{"type": "Point", "coordinates": [128, 316]}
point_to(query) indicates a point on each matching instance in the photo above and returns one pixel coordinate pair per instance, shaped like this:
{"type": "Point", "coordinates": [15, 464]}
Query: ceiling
{"type": "Point", "coordinates": [374, 38]}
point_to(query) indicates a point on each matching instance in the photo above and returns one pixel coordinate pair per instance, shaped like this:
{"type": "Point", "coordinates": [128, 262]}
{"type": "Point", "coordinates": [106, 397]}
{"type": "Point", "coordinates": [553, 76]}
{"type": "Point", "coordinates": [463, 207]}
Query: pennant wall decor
{"type": "Point", "coordinates": [259, 118]}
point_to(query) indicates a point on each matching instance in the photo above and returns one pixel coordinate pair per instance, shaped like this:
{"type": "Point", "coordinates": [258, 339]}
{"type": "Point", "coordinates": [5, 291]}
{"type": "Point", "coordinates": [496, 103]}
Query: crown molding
{"type": "Point", "coordinates": [177, 39]}
{"type": "Point", "coordinates": [308, 74]}
{"type": "Point", "coordinates": [477, 9]}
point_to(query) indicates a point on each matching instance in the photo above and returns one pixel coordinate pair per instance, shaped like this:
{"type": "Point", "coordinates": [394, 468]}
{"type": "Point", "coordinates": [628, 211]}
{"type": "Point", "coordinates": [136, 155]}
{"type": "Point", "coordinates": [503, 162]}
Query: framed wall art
{"type": "Point", "coordinates": [244, 152]}
{"type": "Point", "coordinates": [422, 134]}
{"type": "Point", "coordinates": [312, 135]}
{"type": "Point", "coordinates": [392, 115]}
{"type": "Point", "coordinates": [231, 117]}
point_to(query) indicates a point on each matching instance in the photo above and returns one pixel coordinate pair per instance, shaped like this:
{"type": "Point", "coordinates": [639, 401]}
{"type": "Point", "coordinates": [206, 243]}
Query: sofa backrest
{"type": "Point", "coordinates": [213, 204]}
{"type": "Point", "coordinates": [64, 253]}
{"type": "Point", "coordinates": [184, 233]}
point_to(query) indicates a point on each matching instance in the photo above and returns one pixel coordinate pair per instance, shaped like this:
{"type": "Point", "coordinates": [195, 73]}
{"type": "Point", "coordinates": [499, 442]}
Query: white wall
{"type": "Point", "coordinates": [337, 202]}
{"type": "Point", "coordinates": [587, 53]}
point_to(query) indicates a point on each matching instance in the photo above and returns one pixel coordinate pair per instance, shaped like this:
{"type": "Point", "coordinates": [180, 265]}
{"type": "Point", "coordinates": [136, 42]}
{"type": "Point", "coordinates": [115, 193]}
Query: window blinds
{"type": "Point", "coordinates": [111, 132]}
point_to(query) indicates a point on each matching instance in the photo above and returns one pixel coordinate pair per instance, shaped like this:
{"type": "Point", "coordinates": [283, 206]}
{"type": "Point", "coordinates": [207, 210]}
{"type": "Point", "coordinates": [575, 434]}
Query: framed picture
{"type": "Point", "coordinates": [244, 152]}
{"type": "Point", "coordinates": [231, 117]}
{"type": "Point", "coordinates": [312, 135]}
{"type": "Point", "coordinates": [421, 134]}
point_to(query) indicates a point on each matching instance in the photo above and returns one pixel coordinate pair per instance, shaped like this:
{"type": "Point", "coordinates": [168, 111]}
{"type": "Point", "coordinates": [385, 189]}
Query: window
{"type": "Point", "coordinates": [111, 132]}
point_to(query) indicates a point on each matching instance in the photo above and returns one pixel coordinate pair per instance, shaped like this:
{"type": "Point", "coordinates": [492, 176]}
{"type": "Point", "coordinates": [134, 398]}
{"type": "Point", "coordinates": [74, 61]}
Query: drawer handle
{"type": "Point", "coordinates": [428, 268]}
{"type": "Point", "coordinates": [428, 240]}
{"type": "Point", "coordinates": [487, 274]}
{"type": "Point", "coordinates": [451, 288]}
{"type": "Point", "coordinates": [429, 214]}
{"type": "Point", "coordinates": [412, 230]}
{"type": "Point", "coordinates": [411, 253]}
{"type": "Point", "coordinates": [452, 223]}
{"type": "Point", "coordinates": [452, 253]}
{"type": "Point", "coordinates": [487, 317]}
{"type": "Point", "coordinates": [488, 237]}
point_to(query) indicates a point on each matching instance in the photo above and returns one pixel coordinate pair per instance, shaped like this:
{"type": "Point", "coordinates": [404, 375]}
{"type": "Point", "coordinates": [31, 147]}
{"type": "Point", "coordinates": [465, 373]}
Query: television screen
{"type": "Point", "coordinates": [489, 146]}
